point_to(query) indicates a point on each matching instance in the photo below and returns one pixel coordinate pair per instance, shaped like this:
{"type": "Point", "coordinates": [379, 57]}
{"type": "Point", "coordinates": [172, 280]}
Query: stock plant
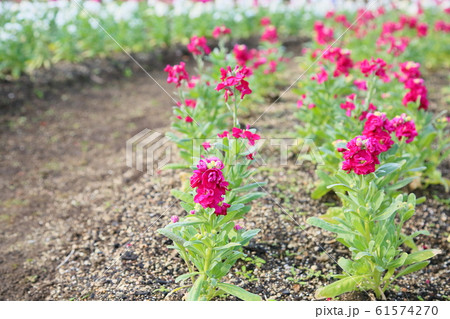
{"type": "Point", "coordinates": [369, 224]}
{"type": "Point", "coordinates": [373, 214]}
{"type": "Point", "coordinates": [208, 238]}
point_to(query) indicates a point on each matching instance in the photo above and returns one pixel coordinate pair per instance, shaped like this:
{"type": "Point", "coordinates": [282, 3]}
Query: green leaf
{"type": "Point", "coordinates": [185, 197]}
{"type": "Point", "coordinates": [421, 255]}
{"type": "Point", "coordinates": [248, 187]}
{"type": "Point", "coordinates": [187, 207]}
{"type": "Point", "coordinates": [176, 166]}
{"type": "Point", "coordinates": [389, 211]}
{"type": "Point", "coordinates": [339, 287]}
{"type": "Point", "coordinates": [186, 276]}
{"type": "Point", "coordinates": [176, 239]}
{"type": "Point", "coordinates": [239, 292]}
{"type": "Point", "coordinates": [229, 245]}
{"type": "Point", "coordinates": [386, 169]}
{"type": "Point", "coordinates": [249, 197]}
{"type": "Point", "coordinates": [327, 226]}
{"type": "Point", "coordinates": [194, 293]}
{"type": "Point", "coordinates": [412, 268]}
{"type": "Point", "coordinates": [184, 224]}
{"type": "Point", "coordinates": [235, 207]}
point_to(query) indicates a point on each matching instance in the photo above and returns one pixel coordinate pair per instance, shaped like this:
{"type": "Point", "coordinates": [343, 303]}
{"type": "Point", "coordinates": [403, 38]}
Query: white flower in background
{"type": "Point", "coordinates": [91, 6]}
{"type": "Point", "coordinates": [12, 27]}
{"type": "Point", "coordinates": [93, 22]}
{"type": "Point", "coordinates": [161, 9]}
{"type": "Point", "coordinates": [72, 28]}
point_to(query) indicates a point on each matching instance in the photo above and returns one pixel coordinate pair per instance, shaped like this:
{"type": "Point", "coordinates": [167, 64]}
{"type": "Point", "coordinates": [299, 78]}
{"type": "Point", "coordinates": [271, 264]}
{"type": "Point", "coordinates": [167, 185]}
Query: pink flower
{"type": "Point", "coordinates": [251, 137]}
{"type": "Point", "coordinates": [361, 155]}
{"type": "Point", "coordinates": [224, 134]}
{"type": "Point", "coordinates": [210, 185]}
{"type": "Point", "coordinates": [311, 106]}
{"type": "Point", "coordinates": [191, 103]}
{"type": "Point", "coordinates": [176, 74]}
{"type": "Point", "coordinates": [417, 91]}
{"type": "Point", "coordinates": [375, 66]}
{"type": "Point", "coordinates": [198, 46]}
{"type": "Point", "coordinates": [422, 30]}
{"type": "Point", "coordinates": [404, 127]}
{"type": "Point", "coordinates": [379, 127]}
{"type": "Point", "coordinates": [410, 70]}
{"type": "Point", "coordinates": [237, 227]}
{"type": "Point", "coordinates": [360, 84]}
{"type": "Point", "coordinates": [272, 67]}
{"type": "Point", "coordinates": [442, 26]}
{"type": "Point", "coordinates": [300, 101]}
{"type": "Point", "coordinates": [349, 107]}
{"type": "Point", "coordinates": [324, 35]}
{"type": "Point", "coordinates": [270, 34]}
{"type": "Point", "coordinates": [192, 212]}
{"type": "Point", "coordinates": [398, 46]}
{"type": "Point", "coordinates": [188, 119]}
{"type": "Point", "coordinates": [241, 54]}
{"type": "Point", "coordinates": [193, 81]}
{"type": "Point", "coordinates": [320, 77]}
{"type": "Point", "coordinates": [220, 31]}
{"type": "Point", "coordinates": [174, 219]}
{"type": "Point", "coordinates": [236, 132]}
{"type": "Point", "coordinates": [341, 57]}
{"type": "Point", "coordinates": [265, 21]}
{"type": "Point", "coordinates": [343, 20]}
{"type": "Point", "coordinates": [250, 156]}
{"type": "Point", "coordinates": [206, 145]}
{"type": "Point", "coordinates": [329, 14]}
{"type": "Point", "coordinates": [234, 80]}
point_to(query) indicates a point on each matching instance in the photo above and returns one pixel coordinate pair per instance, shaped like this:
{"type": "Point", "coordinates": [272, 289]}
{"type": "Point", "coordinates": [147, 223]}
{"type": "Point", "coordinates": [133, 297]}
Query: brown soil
{"type": "Point", "coordinates": [76, 223]}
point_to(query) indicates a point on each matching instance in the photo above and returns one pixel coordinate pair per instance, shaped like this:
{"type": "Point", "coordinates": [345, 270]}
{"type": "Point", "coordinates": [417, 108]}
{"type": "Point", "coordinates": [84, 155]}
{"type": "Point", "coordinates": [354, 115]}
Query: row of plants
{"type": "Point", "coordinates": [368, 116]}
{"type": "Point", "coordinates": [36, 34]}
{"type": "Point", "coordinates": [366, 108]}
{"type": "Point", "coordinates": [220, 152]}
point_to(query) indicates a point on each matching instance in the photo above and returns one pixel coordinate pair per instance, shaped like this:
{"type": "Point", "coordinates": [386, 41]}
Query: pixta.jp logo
{"type": "Point", "coordinates": [148, 151]}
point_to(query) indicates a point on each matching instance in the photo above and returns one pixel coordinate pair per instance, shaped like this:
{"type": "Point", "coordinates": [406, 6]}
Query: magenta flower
{"type": "Point", "coordinates": [210, 185]}
{"type": "Point", "coordinates": [191, 103]}
{"type": "Point", "coordinates": [265, 21]}
{"type": "Point", "coordinates": [241, 54]}
{"type": "Point", "coordinates": [379, 127]}
{"type": "Point", "coordinates": [404, 127]}
{"type": "Point", "coordinates": [410, 70]}
{"type": "Point", "coordinates": [198, 46]}
{"type": "Point", "coordinates": [417, 91]}
{"type": "Point", "coordinates": [375, 66]}
{"type": "Point", "coordinates": [349, 106]}
{"type": "Point", "coordinates": [361, 155]}
{"type": "Point", "coordinates": [220, 31]}
{"type": "Point", "coordinates": [177, 73]}
{"type": "Point", "coordinates": [270, 34]}
{"type": "Point", "coordinates": [174, 219]}
{"type": "Point", "coordinates": [320, 77]}
{"type": "Point", "coordinates": [237, 227]}
{"type": "Point", "coordinates": [341, 57]}
{"type": "Point", "coordinates": [422, 30]}
{"type": "Point", "coordinates": [324, 35]}
{"type": "Point", "coordinates": [206, 145]}
{"type": "Point", "coordinates": [234, 80]}
{"type": "Point", "coordinates": [360, 84]}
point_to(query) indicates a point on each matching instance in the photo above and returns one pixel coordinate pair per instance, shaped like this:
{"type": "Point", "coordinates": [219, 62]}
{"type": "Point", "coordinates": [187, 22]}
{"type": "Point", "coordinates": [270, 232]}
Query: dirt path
{"type": "Point", "coordinates": [60, 161]}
